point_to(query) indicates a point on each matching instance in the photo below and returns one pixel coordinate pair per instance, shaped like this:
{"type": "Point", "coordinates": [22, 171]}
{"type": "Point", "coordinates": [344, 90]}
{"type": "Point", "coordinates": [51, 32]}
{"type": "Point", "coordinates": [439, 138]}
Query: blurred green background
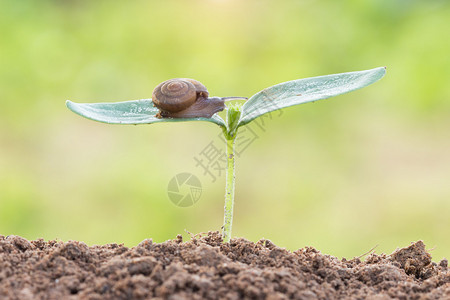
{"type": "Point", "coordinates": [343, 175]}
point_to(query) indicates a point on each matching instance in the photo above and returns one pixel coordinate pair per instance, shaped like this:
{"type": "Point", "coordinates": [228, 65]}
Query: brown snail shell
{"type": "Point", "coordinates": [185, 98]}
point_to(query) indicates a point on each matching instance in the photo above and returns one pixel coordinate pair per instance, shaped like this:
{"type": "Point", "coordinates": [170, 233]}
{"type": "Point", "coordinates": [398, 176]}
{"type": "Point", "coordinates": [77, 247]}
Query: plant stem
{"type": "Point", "coordinates": [229, 191]}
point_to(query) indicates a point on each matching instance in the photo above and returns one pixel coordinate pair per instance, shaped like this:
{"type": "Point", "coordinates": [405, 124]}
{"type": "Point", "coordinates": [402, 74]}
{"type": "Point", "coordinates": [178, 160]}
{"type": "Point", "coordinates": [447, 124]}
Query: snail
{"type": "Point", "coordinates": [186, 98]}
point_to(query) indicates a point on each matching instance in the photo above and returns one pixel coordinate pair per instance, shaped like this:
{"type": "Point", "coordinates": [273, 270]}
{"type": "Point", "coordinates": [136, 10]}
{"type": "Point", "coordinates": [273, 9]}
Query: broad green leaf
{"type": "Point", "coordinates": [306, 90]}
{"type": "Point", "coordinates": [129, 112]}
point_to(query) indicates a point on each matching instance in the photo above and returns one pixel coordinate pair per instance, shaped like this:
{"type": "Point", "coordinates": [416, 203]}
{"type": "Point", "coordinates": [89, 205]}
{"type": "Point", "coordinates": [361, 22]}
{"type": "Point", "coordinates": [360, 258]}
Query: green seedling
{"type": "Point", "coordinates": [149, 111]}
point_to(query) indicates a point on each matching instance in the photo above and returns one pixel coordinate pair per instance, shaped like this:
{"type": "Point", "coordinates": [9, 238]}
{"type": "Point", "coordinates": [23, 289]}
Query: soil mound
{"type": "Point", "coordinates": [205, 268]}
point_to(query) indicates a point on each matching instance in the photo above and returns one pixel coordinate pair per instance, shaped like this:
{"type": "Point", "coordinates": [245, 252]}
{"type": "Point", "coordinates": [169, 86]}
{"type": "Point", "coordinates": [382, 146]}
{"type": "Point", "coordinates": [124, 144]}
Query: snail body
{"type": "Point", "coordinates": [185, 98]}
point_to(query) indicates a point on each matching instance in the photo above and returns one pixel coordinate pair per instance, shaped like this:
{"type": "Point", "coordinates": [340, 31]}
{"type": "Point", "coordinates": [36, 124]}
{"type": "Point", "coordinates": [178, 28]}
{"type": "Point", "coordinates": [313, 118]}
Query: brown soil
{"type": "Point", "coordinates": [205, 268]}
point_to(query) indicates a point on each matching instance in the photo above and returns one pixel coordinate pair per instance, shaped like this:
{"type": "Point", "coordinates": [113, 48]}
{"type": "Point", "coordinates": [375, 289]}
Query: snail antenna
{"type": "Point", "coordinates": [233, 98]}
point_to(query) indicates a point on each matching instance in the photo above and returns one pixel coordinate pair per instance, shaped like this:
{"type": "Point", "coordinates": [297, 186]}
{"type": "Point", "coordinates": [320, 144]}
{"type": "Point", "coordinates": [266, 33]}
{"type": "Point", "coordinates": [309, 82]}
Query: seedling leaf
{"type": "Point", "coordinates": [129, 112]}
{"type": "Point", "coordinates": [306, 90]}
